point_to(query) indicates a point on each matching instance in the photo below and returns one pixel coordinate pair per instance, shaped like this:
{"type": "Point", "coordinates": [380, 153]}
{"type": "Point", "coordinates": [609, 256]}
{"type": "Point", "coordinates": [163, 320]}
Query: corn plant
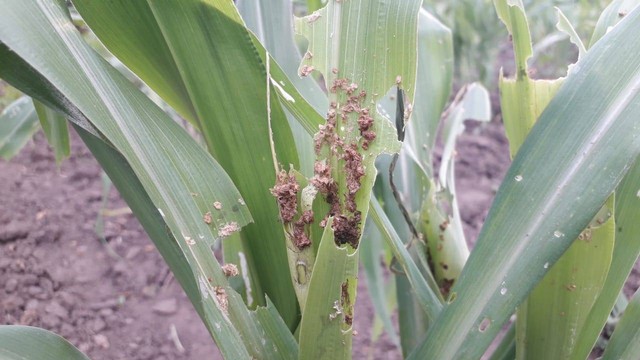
{"type": "Point", "coordinates": [285, 170]}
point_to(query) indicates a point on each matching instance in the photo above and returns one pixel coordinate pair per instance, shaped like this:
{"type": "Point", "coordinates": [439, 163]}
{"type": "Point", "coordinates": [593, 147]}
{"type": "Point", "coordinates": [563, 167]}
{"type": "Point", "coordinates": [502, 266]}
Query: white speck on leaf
{"type": "Point", "coordinates": [244, 266]}
{"type": "Point", "coordinates": [203, 287]}
{"type": "Point", "coordinates": [284, 94]}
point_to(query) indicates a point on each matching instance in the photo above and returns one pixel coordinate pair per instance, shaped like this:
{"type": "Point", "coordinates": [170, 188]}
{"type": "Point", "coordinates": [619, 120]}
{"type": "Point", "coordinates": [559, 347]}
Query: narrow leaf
{"type": "Point", "coordinates": [18, 123]}
{"type": "Point", "coordinates": [370, 254]}
{"type": "Point", "coordinates": [206, 58]}
{"type": "Point", "coordinates": [625, 341]}
{"type": "Point", "coordinates": [30, 343]}
{"type": "Point", "coordinates": [190, 179]}
{"type": "Point", "coordinates": [534, 218]}
{"type": "Point", "coordinates": [326, 328]}
{"type": "Point", "coordinates": [362, 49]}
{"type": "Point", "coordinates": [613, 13]}
{"type": "Point", "coordinates": [565, 26]}
{"type": "Point", "coordinates": [427, 298]}
{"type": "Point", "coordinates": [625, 255]}
{"type": "Point", "coordinates": [55, 129]}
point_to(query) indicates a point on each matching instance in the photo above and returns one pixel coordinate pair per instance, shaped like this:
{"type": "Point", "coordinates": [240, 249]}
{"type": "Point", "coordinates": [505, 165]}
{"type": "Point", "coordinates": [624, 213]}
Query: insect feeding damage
{"type": "Point", "coordinates": [222, 299]}
{"type": "Point", "coordinates": [286, 192]}
{"type": "Point", "coordinates": [207, 218]}
{"type": "Point", "coordinates": [341, 147]}
{"type": "Point", "coordinates": [230, 270]}
{"type": "Point", "coordinates": [347, 305]}
{"type": "Point", "coordinates": [228, 229]}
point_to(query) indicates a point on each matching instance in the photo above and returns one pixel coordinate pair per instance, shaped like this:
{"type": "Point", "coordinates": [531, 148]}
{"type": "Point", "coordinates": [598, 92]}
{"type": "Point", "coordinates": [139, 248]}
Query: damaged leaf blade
{"type": "Point", "coordinates": [182, 182]}
{"type": "Point", "coordinates": [362, 49]}
{"type": "Point", "coordinates": [18, 123]}
{"type": "Point", "coordinates": [201, 62]}
{"type": "Point", "coordinates": [326, 328]}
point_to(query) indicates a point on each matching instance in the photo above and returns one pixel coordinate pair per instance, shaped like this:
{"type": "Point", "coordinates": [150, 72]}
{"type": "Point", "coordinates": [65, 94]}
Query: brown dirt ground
{"type": "Point", "coordinates": [56, 274]}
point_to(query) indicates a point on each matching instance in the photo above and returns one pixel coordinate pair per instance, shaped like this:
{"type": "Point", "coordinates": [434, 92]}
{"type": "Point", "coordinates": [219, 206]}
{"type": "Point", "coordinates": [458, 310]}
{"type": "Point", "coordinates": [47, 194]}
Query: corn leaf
{"type": "Point", "coordinates": [415, 164]}
{"type": "Point", "coordinates": [18, 123]}
{"type": "Point", "coordinates": [625, 255]}
{"type": "Point", "coordinates": [550, 321]}
{"type": "Point", "coordinates": [565, 26]}
{"type": "Point", "coordinates": [613, 13]}
{"type": "Point", "coordinates": [625, 341]}
{"type": "Point", "coordinates": [443, 229]}
{"type": "Point", "coordinates": [430, 303]}
{"type": "Point", "coordinates": [55, 129]}
{"type": "Point", "coordinates": [207, 56]}
{"type": "Point", "coordinates": [433, 87]}
{"type": "Point", "coordinates": [370, 255]}
{"type": "Point", "coordinates": [130, 31]}
{"type": "Point", "coordinates": [182, 180]}
{"type": "Point", "coordinates": [326, 329]}
{"type": "Point", "coordinates": [534, 218]}
{"type": "Point", "coordinates": [506, 350]}
{"type": "Point", "coordinates": [362, 49]}
{"type": "Point", "coordinates": [273, 338]}
{"type": "Point", "coordinates": [627, 245]}
{"type": "Point", "coordinates": [272, 23]}
{"type": "Point", "coordinates": [30, 343]}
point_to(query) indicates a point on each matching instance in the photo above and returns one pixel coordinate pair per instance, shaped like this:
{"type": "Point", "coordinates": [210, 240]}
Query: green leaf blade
{"type": "Point", "coordinates": [597, 105]}
{"type": "Point", "coordinates": [30, 343]}
{"type": "Point", "coordinates": [231, 114]}
{"type": "Point", "coordinates": [625, 341]}
{"type": "Point", "coordinates": [181, 180]}
{"type": "Point", "coordinates": [18, 123]}
{"type": "Point", "coordinates": [55, 129]}
{"type": "Point", "coordinates": [625, 254]}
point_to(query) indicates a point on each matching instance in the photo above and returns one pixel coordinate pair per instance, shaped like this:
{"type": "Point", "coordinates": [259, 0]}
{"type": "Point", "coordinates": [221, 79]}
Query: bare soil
{"type": "Point", "coordinates": [117, 300]}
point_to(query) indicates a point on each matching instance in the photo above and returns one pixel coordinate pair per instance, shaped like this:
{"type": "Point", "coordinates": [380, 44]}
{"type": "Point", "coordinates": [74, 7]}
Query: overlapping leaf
{"type": "Point", "coordinates": [175, 184]}
{"type": "Point", "coordinates": [195, 68]}
{"type": "Point", "coordinates": [18, 123]}
{"type": "Point", "coordinates": [30, 343]}
{"type": "Point", "coordinates": [362, 49]}
{"type": "Point", "coordinates": [534, 217]}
